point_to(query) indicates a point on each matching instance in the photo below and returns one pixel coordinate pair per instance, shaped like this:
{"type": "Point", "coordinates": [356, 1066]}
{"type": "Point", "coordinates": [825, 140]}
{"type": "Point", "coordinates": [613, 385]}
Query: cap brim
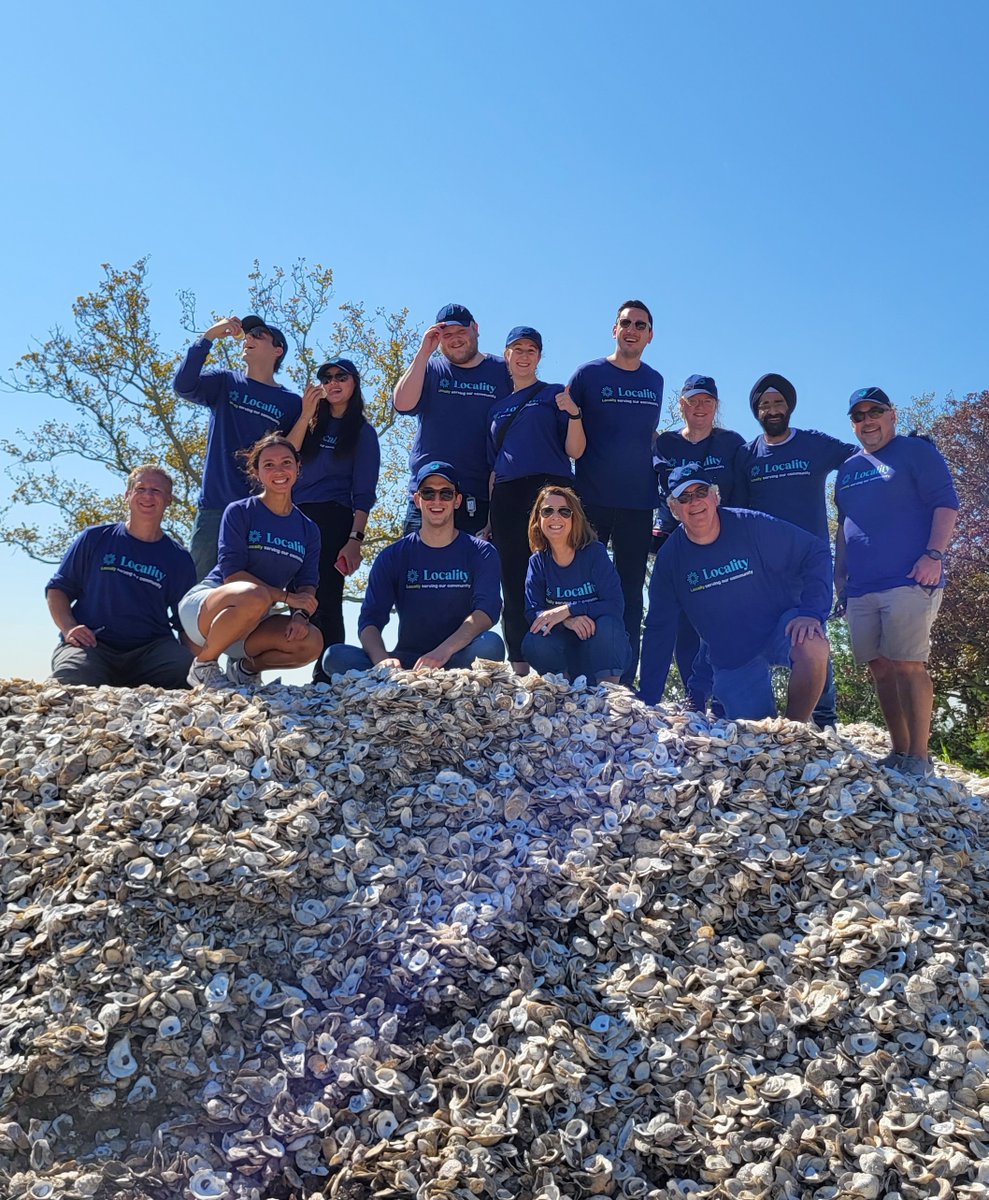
{"type": "Point", "coordinates": [697, 392]}
{"type": "Point", "coordinates": [680, 488]}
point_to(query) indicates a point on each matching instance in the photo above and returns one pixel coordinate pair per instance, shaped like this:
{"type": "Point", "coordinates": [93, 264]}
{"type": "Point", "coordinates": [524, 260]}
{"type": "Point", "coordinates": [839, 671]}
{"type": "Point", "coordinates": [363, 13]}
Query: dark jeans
{"type": "Point", "coordinates": [826, 712]}
{"type": "Point", "coordinates": [204, 543]}
{"type": "Point", "coordinates": [162, 662]}
{"type": "Point", "coordinates": [561, 651]}
{"type": "Point", "coordinates": [629, 530]}
{"type": "Point", "coordinates": [335, 521]}
{"type": "Point", "coordinates": [511, 504]}
{"type": "Point", "coordinates": [461, 517]}
{"type": "Point", "coordinates": [339, 659]}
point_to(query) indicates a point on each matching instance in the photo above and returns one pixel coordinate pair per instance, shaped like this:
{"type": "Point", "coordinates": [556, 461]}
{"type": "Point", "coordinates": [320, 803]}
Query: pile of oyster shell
{"type": "Point", "coordinates": [456, 935]}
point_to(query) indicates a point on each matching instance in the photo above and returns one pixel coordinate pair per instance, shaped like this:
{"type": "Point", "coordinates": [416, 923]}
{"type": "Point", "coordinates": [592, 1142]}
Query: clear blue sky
{"type": "Point", "coordinates": [791, 187]}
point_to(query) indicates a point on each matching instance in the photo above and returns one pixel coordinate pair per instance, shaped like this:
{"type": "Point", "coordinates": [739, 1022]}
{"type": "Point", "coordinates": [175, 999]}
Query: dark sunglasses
{"type": "Point", "coordinates": [873, 413]}
{"type": "Point", "coordinates": [624, 322]}
{"type": "Point", "coordinates": [437, 493]}
{"type": "Point", "coordinates": [336, 376]}
{"type": "Point", "coordinates": [694, 493]}
{"type": "Point", "coordinates": [548, 510]}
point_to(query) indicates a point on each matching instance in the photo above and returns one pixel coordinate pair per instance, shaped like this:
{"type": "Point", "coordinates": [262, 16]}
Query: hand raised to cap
{"type": "Point", "coordinates": [565, 403]}
{"type": "Point", "coordinates": [431, 339]}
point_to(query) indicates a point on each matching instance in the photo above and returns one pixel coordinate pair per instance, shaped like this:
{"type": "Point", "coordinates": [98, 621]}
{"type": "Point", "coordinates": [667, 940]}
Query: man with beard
{"type": "Point", "coordinates": [784, 472]}
{"type": "Point", "coordinates": [451, 395]}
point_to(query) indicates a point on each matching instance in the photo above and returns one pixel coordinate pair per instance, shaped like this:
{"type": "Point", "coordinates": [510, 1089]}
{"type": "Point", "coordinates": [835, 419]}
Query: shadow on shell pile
{"type": "Point", "coordinates": [456, 935]}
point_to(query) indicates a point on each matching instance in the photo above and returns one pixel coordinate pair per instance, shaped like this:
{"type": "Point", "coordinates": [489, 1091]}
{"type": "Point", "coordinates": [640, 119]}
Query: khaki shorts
{"type": "Point", "coordinates": [894, 624]}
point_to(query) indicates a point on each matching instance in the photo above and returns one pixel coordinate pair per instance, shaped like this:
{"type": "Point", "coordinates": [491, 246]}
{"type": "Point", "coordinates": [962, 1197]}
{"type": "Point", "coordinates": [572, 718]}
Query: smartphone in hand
{"type": "Point", "coordinates": [341, 565]}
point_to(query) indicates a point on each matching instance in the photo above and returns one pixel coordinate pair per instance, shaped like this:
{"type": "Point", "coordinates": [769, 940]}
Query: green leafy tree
{"type": "Point", "coordinates": [114, 379]}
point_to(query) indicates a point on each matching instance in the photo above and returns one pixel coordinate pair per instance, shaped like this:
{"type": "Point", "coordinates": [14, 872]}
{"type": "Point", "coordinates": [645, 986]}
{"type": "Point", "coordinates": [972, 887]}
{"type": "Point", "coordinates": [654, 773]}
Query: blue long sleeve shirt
{"type": "Point", "coordinates": [589, 586]}
{"type": "Point", "coordinates": [536, 439]}
{"type": "Point", "coordinates": [281, 551]}
{"type": "Point", "coordinates": [349, 479]}
{"type": "Point", "coordinates": [241, 411]}
{"type": "Point", "coordinates": [733, 591]}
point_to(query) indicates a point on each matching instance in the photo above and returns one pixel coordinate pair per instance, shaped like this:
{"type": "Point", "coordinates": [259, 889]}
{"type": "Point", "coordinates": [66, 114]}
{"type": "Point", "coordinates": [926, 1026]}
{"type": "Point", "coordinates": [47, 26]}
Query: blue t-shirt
{"type": "Point", "coordinates": [282, 552]}
{"type": "Point", "coordinates": [621, 411]}
{"type": "Point", "coordinates": [433, 589]}
{"type": "Point", "coordinates": [241, 411]}
{"type": "Point", "coordinates": [125, 590]}
{"type": "Point", "coordinates": [733, 591]}
{"type": "Point", "coordinates": [590, 586]}
{"type": "Point", "coordinates": [349, 479]}
{"type": "Point", "coordinates": [787, 480]}
{"type": "Point", "coordinates": [886, 502]}
{"type": "Point", "coordinates": [714, 457]}
{"type": "Point", "coordinates": [536, 438]}
{"type": "Point", "coordinates": [453, 418]}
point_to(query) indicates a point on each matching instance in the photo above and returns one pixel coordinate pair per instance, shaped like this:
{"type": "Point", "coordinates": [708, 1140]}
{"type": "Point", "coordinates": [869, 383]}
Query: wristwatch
{"type": "Point", "coordinates": [935, 554]}
{"type": "Point", "coordinates": [357, 535]}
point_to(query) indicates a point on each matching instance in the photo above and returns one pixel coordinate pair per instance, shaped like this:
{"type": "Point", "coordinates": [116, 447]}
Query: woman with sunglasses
{"type": "Point", "coordinates": [341, 461]}
{"type": "Point", "coordinates": [268, 558]}
{"type": "Point", "coordinates": [573, 596]}
{"type": "Point", "coordinates": [711, 450]}
{"type": "Point", "coordinates": [534, 434]}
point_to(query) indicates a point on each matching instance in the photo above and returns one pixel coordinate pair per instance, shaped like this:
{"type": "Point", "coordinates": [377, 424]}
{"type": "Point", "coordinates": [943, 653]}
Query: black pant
{"type": "Point", "coordinates": [629, 530]}
{"type": "Point", "coordinates": [462, 517]}
{"type": "Point", "coordinates": [511, 504]}
{"type": "Point", "coordinates": [335, 522]}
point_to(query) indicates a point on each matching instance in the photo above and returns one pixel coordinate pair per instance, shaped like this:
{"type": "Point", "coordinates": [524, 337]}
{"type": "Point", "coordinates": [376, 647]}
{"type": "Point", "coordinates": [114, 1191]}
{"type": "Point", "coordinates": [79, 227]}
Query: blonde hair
{"type": "Point", "coordinates": [148, 469]}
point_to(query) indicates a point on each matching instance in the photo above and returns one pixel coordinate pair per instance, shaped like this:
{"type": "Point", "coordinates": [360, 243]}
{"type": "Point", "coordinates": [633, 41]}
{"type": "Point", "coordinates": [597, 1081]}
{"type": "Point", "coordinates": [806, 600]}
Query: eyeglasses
{"type": "Point", "coordinates": [625, 322]}
{"type": "Point", "coordinates": [695, 493]}
{"type": "Point", "coordinates": [548, 510]}
{"type": "Point", "coordinates": [700, 398]}
{"type": "Point", "coordinates": [336, 376]}
{"type": "Point", "coordinates": [870, 413]}
{"type": "Point", "coordinates": [437, 493]}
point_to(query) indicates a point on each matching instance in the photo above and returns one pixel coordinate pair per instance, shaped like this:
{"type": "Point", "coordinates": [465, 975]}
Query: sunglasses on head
{"type": "Point", "coordinates": [625, 322]}
{"type": "Point", "coordinates": [335, 376]}
{"type": "Point", "coordinates": [874, 413]}
{"type": "Point", "coordinates": [693, 493]}
{"type": "Point", "coordinates": [428, 493]}
{"type": "Point", "coordinates": [548, 510]}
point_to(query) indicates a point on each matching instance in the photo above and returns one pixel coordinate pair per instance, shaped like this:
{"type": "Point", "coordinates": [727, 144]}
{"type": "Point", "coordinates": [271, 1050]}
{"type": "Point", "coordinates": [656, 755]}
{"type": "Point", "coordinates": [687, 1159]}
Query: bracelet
{"type": "Point", "coordinates": [298, 612]}
{"type": "Point", "coordinates": [357, 535]}
{"type": "Point", "coordinates": [577, 417]}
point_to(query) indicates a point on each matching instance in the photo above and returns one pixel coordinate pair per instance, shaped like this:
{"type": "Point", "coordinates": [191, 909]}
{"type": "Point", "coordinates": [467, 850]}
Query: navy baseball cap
{"type": "Point", "coordinates": [454, 314]}
{"type": "Point", "coordinates": [524, 331]}
{"type": "Point", "coordinates": [344, 364]}
{"type": "Point", "coordinates": [682, 477]}
{"type": "Point", "coordinates": [252, 323]}
{"type": "Point", "coordinates": [698, 385]}
{"type": "Point", "coordinates": [773, 383]}
{"type": "Point", "coordinates": [872, 395]}
{"type": "Point", "coordinates": [443, 469]}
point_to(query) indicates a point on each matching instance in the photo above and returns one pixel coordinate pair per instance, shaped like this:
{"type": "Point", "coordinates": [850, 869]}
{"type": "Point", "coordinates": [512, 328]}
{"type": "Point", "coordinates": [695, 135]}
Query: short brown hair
{"type": "Point", "coordinates": [634, 304]}
{"type": "Point", "coordinates": [581, 530]}
{"type": "Point", "coordinates": [148, 469]}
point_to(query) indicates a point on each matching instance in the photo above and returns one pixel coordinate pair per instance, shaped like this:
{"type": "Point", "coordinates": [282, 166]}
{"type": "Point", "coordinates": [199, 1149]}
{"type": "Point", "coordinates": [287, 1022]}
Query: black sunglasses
{"type": "Point", "coordinates": [694, 493]}
{"type": "Point", "coordinates": [548, 510]}
{"type": "Point", "coordinates": [625, 322]}
{"type": "Point", "coordinates": [873, 413]}
{"type": "Point", "coordinates": [437, 493]}
{"type": "Point", "coordinates": [336, 376]}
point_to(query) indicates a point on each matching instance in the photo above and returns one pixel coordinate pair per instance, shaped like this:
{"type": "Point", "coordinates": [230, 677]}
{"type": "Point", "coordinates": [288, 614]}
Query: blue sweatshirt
{"type": "Point", "coordinates": [733, 591]}
{"type": "Point", "coordinates": [126, 590]}
{"type": "Point", "coordinates": [788, 480]}
{"type": "Point", "coordinates": [282, 552]}
{"type": "Point", "coordinates": [590, 586]}
{"type": "Point", "coordinates": [714, 457]}
{"type": "Point", "coordinates": [453, 418]}
{"type": "Point", "coordinates": [621, 411]}
{"type": "Point", "coordinates": [886, 502]}
{"type": "Point", "coordinates": [535, 441]}
{"type": "Point", "coordinates": [349, 479]}
{"type": "Point", "coordinates": [434, 590]}
{"type": "Point", "coordinates": [241, 411]}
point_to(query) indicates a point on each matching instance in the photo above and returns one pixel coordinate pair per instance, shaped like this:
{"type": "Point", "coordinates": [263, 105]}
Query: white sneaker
{"type": "Point", "coordinates": [206, 675]}
{"type": "Point", "coordinates": [239, 675]}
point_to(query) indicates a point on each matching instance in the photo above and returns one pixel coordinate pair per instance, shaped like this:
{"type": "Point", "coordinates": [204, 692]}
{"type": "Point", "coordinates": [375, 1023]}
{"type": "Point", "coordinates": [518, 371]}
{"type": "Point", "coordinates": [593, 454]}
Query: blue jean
{"type": "Point", "coordinates": [746, 691]}
{"type": "Point", "coordinates": [629, 530]}
{"type": "Point", "coordinates": [340, 658]}
{"type": "Point", "coordinates": [826, 712]}
{"type": "Point", "coordinates": [561, 652]}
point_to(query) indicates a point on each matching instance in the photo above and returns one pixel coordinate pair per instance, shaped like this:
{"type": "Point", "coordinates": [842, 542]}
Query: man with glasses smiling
{"type": "Point", "coordinates": [444, 584]}
{"type": "Point", "coordinates": [620, 398]}
{"type": "Point", "coordinates": [897, 509]}
{"type": "Point", "coordinates": [757, 590]}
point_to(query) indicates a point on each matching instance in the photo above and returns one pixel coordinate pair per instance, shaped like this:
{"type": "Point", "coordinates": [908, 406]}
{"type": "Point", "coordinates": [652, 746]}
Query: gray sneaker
{"type": "Point", "coordinates": [206, 675]}
{"type": "Point", "coordinates": [915, 766]}
{"type": "Point", "coordinates": [893, 760]}
{"type": "Point", "coordinates": [239, 675]}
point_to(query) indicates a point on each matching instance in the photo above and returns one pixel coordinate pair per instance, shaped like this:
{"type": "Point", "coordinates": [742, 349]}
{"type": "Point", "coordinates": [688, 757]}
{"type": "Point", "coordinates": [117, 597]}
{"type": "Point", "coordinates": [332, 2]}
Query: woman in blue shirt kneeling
{"type": "Point", "coordinates": [573, 596]}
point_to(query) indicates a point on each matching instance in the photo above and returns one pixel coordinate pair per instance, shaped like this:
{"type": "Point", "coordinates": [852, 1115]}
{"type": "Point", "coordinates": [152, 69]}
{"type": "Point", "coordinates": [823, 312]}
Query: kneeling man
{"type": "Point", "coordinates": [755, 588]}
{"type": "Point", "coordinates": [444, 584]}
{"type": "Point", "coordinates": [115, 596]}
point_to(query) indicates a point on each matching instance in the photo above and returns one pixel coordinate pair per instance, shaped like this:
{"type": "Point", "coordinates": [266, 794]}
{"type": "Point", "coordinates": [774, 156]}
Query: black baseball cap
{"type": "Point", "coordinates": [344, 364]}
{"type": "Point", "coordinates": [873, 395]}
{"type": "Point", "coordinates": [454, 314]}
{"type": "Point", "coordinates": [253, 322]}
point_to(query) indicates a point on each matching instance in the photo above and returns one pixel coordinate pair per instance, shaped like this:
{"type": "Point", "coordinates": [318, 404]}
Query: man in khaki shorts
{"type": "Point", "coordinates": [897, 509]}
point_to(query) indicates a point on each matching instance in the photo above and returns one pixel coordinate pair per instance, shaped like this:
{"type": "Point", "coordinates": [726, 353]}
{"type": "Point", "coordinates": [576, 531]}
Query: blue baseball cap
{"type": "Point", "coordinates": [524, 331]}
{"type": "Point", "coordinates": [344, 364]}
{"type": "Point", "coordinates": [443, 469]}
{"type": "Point", "coordinates": [870, 394]}
{"type": "Point", "coordinates": [682, 477]}
{"type": "Point", "coordinates": [253, 323]}
{"type": "Point", "coordinates": [698, 385]}
{"type": "Point", "coordinates": [454, 314]}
